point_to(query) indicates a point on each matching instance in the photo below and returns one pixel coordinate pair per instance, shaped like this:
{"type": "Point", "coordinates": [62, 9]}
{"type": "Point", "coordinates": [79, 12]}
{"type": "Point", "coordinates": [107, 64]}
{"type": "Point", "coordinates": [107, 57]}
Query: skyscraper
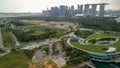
{"type": "Point", "coordinates": [93, 10]}
{"type": "Point", "coordinates": [63, 10]}
{"type": "Point", "coordinates": [102, 11]}
{"type": "Point", "coordinates": [89, 10]}
{"type": "Point", "coordinates": [86, 10]}
{"type": "Point", "coordinates": [72, 11]}
{"type": "Point", "coordinates": [80, 9]}
{"type": "Point", "coordinates": [54, 11]}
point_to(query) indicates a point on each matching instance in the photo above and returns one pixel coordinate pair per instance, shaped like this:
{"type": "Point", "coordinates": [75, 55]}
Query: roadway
{"type": "Point", "coordinates": [1, 40]}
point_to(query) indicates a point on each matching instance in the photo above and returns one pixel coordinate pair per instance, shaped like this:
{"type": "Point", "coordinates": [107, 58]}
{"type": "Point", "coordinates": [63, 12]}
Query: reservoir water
{"type": "Point", "coordinates": [106, 65]}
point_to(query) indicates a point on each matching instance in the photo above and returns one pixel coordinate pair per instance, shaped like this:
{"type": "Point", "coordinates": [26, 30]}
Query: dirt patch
{"type": "Point", "coordinates": [43, 64]}
{"type": "Point", "coordinates": [59, 61]}
{"type": "Point", "coordinates": [47, 65]}
{"type": "Point", "coordinates": [34, 22]}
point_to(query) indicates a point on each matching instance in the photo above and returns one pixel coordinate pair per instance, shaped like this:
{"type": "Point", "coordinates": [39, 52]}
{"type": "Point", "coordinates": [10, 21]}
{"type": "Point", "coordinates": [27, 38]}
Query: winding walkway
{"type": "Point", "coordinates": [7, 50]}
{"type": "Point", "coordinates": [1, 40]}
{"type": "Point", "coordinates": [17, 43]}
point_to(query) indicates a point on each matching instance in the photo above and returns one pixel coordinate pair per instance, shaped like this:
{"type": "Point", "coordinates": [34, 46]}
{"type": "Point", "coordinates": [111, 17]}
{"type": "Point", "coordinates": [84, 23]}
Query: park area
{"type": "Point", "coordinates": [99, 48]}
{"type": "Point", "coordinates": [14, 60]}
{"type": "Point", "coordinates": [8, 39]}
{"type": "Point", "coordinates": [37, 33]}
{"type": "Point", "coordinates": [25, 31]}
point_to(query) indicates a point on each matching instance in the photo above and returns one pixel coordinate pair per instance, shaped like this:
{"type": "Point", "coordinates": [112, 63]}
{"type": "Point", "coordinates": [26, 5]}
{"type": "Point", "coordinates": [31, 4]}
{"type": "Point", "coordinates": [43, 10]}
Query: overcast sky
{"type": "Point", "coordinates": [39, 5]}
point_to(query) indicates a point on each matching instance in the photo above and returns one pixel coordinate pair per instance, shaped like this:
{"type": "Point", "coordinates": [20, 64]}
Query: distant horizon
{"type": "Point", "coordinates": [37, 6]}
{"type": "Point", "coordinates": [46, 9]}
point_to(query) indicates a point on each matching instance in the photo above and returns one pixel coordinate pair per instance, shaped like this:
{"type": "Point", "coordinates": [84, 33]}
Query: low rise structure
{"type": "Point", "coordinates": [1, 22]}
{"type": "Point", "coordinates": [118, 19]}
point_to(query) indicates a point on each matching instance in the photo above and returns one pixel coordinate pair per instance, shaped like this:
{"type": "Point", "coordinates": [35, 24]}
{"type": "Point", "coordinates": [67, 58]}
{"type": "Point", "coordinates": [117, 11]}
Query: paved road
{"type": "Point", "coordinates": [7, 50]}
{"type": "Point", "coordinates": [47, 41]}
{"type": "Point", "coordinates": [1, 41]}
{"type": "Point", "coordinates": [50, 50]}
{"type": "Point", "coordinates": [59, 48]}
{"type": "Point", "coordinates": [38, 44]}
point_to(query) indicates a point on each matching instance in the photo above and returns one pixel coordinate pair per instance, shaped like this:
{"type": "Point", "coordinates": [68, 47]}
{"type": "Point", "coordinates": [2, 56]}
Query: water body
{"type": "Point", "coordinates": [2, 15]}
{"type": "Point", "coordinates": [106, 65]}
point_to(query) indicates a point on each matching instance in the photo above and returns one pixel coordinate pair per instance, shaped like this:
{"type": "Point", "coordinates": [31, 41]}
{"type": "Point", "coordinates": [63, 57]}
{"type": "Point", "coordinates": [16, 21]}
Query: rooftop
{"type": "Point", "coordinates": [106, 49]}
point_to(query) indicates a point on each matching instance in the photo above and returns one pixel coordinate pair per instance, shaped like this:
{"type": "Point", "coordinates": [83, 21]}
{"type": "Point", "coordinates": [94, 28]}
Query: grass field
{"type": "Point", "coordinates": [44, 29]}
{"type": "Point", "coordinates": [37, 33]}
{"type": "Point", "coordinates": [1, 51]}
{"type": "Point", "coordinates": [14, 60]}
{"type": "Point", "coordinates": [8, 39]}
{"type": "Point", "coordinates": [99, 49]}
{"type": "Point", "coordinates": [100, 35]}
{"type": "Point", "coordinates": [22, 59]}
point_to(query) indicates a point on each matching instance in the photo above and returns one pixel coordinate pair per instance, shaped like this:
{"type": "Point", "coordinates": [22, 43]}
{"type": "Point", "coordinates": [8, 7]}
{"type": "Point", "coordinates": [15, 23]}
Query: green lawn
{"type": "Point", "coordinates": [14, 60]}
{"type": "Point", "coordinates": [99, 35]}
{"type": "Point", "coordinates": [99, 49]}
{"type": "Point", "coordinates": [21, 59]}
{"type": "Point", "coordinates": [37, 33]}
{"type": "Point", "coordinates": [8, 39]}
{"type": "Point", "coordinates": [44, 29]}
{"type": "Point", "coordinates": [1, 51]}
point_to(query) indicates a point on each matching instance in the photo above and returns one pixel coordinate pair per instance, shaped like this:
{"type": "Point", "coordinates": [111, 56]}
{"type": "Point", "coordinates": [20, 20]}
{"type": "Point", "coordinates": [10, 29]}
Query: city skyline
{"type": "Point", "coordinates": [39, 5]}
{"type": "Point", "coordinates": [82, 10]}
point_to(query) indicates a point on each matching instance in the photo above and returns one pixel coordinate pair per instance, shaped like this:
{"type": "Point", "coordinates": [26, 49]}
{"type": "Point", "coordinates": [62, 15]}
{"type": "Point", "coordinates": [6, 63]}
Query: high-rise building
{"type": "Point", "coordinates": [93, 10]}
{"type": "Point", "coordinates": [79, 9]}
{"type": "Point", "coordinates": [72, 11]}
{"type": "Point", "coordinates": [86, 10]}
{"type": "Point", "coordinates": [69, 11]}
{"type": "Point", "coordinates": [1, 22]}
{"type": "Point", "coordinates": [54, 11]}
{"type": "Point", "coordinates": [102, 11]}
{"type": "Point", "coordinates": [63, 10]}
